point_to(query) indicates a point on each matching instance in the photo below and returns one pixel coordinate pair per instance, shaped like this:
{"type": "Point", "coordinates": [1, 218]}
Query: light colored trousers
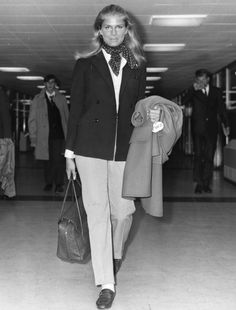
{"type": "Point", "coordinates": [109, 215]}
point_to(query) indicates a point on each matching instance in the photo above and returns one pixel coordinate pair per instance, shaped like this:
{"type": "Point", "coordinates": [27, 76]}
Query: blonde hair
{"type": "Point", "coordinates": [131, 38]}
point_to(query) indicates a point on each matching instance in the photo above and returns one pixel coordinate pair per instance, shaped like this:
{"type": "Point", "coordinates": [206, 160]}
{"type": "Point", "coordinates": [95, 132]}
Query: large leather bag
{"type": "Point", "coordinates": [73, 236]}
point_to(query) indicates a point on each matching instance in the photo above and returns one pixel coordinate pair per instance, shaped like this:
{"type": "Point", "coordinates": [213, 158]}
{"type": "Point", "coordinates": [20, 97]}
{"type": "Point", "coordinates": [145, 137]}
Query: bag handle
{"type": "Point", "coordinates": [71, 181]}
{"type": "Point", "coordinates": [65, 197]}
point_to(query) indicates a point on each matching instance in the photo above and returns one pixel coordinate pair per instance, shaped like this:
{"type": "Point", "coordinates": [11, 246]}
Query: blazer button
{"type": "Point", "coordinates": [97, 102]}
{"type": "Point", "coordinates": [96, 120]}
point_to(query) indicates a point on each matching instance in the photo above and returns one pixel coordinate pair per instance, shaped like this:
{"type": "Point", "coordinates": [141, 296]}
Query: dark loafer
{"type": "Point", "coordinates": [117, 264]}
{"type": "Point", "coordinates": [59, 189]}
{"type": "Point", "coordinates": [105, 299]}
{"type": "Point", "coordinates": [47, 187]}
{"type": "Point", "coordinates": [207, 189]}
{"type": "Point", "coordinates": [198, 189]}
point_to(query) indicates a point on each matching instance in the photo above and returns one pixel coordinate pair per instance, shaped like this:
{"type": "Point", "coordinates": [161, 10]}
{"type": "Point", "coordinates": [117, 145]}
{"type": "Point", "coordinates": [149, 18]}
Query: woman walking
{"type": "Point", "coordinates": [106, 85]}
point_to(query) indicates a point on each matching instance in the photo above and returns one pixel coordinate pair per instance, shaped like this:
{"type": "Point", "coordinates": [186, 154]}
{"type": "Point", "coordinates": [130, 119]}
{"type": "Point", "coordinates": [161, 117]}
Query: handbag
{"type": "Point", "coordinates": [73, 236]}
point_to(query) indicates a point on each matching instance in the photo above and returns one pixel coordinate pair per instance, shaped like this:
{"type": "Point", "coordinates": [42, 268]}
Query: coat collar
{"type": "Point", "coordinates": [201, 96]}
{"type": "Point", "coordinates": [127, 71]}
{"type": "Point", "coordinates": [43, 93]}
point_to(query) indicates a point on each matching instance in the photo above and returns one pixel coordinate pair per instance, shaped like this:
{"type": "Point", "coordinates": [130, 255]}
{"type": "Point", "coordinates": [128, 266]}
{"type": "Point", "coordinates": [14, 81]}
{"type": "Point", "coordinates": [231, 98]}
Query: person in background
{"type": "Point", "coordinates": [7, 148]}
{"type": "Point", "coordinates": [5, 117]}
{"type": "Point", "coordinates": [106, 85]}
{"type": "Point", "coordinates": [47, 124]}
{"type": "Point", "coordinates": [207, 106]}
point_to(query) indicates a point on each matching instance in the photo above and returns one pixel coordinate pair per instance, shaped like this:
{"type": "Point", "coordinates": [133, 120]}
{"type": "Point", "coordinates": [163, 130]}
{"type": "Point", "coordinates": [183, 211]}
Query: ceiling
{"type": "Point", "coordinates": [44, 35]}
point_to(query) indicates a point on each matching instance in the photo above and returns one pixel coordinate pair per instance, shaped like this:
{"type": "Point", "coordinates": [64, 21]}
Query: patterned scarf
{"type": "Point", "coordinates": [116, 53]}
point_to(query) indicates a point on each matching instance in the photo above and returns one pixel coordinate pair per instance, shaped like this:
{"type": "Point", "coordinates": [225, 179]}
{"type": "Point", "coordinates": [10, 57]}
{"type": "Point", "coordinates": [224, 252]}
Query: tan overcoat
{"type": "Point", "coordinates": [38, 122]}
{"type": "Point", "coordinates": [148, 151]}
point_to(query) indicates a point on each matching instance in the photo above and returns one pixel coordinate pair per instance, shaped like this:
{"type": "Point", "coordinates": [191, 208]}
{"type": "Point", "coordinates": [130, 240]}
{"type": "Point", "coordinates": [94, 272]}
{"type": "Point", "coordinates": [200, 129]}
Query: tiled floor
{"type": "Point", "coordinates": [183, 261]}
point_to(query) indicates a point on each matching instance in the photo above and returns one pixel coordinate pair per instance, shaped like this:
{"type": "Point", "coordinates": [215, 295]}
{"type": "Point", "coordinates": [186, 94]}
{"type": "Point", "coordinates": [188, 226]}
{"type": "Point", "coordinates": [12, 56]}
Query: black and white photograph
{"type": "Point", "coordinates": [117, 155]}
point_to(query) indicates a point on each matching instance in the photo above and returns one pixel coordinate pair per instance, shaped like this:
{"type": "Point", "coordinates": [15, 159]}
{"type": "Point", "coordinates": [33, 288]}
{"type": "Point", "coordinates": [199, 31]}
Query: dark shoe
{"type": "Point", "coordinates": [198, 189]}
{"type": "Point", "coordinates": [47, 187]}
{"type": "Point", "coordinates": [5, 197]}
{"type": "Point", "coordinates": [207, 189]}
{"type": "Point", "coordinates": [117, 264]}
{"type": "Point", "coordinates": [59, 189]}
{"type": "Point", "coordinates": [105, 299]}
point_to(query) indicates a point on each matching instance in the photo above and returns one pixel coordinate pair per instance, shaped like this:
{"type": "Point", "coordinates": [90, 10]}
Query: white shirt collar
{"type": "Point", "coordinates": [205, 90]}
{"type": "Point", "coordinates": [106, 55]}
{"type": "Point", "coordinates": [52, 94]}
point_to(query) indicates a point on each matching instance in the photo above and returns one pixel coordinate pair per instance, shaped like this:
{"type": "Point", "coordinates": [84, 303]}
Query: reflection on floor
{"type": "Point", "coordinates": [184, 261]}
{"type": "Point", "coordinates": [177, 182]}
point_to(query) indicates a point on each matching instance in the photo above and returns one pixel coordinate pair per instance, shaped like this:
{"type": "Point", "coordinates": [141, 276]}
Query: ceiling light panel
{"type": "Point", "coordinates": [156, 69]}
{"type": "Point", "coordinates": [29, 78]}
{"type": "Point", "coordinates": [168, 47]}
{"type": "Point", "coordinates": [14, 69]}
{"type": "Point", "coordinates": [153, 78]}
{"type": "Point", "coordinates": [187, 20]}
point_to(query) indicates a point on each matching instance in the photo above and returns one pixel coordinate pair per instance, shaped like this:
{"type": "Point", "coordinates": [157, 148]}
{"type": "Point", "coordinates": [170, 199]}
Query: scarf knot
{"type": "Point", "coordinates": [116, 52]}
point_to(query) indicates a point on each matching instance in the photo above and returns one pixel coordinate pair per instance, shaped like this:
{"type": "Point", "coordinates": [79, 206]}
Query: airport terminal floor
{"type": "Point", "coordinates": [183, 261]}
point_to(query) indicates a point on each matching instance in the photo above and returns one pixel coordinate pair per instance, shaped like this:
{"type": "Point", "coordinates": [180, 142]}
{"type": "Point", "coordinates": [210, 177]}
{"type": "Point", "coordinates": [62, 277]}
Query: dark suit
{"type": "Point", "coordinates": [5, 117]}
{"type": "Point", "coordinates": [93, 117]}
{"type": "Point", "coordinates": [206, 111]}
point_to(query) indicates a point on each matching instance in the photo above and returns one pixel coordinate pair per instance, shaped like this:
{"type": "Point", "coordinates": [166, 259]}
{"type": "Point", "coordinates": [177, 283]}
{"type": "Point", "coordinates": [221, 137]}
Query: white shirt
{"type": "Point", "coordinates": [52, 94]}
{"type": "Point", "coordinates": [206, 89]}
{"type": "Point", "coordinates": [116, 79]}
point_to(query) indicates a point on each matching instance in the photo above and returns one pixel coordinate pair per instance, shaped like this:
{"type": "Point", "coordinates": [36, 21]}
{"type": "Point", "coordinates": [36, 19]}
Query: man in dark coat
{"type": "Point", "coordinates": [207, 107]}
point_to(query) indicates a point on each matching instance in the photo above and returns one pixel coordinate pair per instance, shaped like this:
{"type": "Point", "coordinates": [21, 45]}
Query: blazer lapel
{"type": "Point", "coordinates": [209, 92]}
{"type": "Point", "coordinates": [101, 65]}
{"type": "Point", "coordinates": [201, 96]}
{"type": "Point", "coordinates": [125, 77]}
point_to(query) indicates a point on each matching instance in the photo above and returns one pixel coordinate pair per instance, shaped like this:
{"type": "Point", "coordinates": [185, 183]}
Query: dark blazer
{"type": "Point", "coordinates": [93, 120]}
{"type": "Point", "coordinates": [5, 117]}
{"type": "Point", "coordinates": [206, 109]}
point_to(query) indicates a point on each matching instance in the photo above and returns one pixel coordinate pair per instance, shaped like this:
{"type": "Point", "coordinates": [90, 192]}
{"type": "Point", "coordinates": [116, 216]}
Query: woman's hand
{"type": "Point", "coordinates": [154, 114]}
{"type": "Point", "coordinates": [70, 168]}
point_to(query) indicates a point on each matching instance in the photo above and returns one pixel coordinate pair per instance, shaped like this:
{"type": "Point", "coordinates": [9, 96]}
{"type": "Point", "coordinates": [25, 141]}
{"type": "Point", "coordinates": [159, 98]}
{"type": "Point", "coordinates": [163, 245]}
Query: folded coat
{"type": "Point", "coordinates": [7, 167]}
{"type": "Point", "coordinates": [148, 151]}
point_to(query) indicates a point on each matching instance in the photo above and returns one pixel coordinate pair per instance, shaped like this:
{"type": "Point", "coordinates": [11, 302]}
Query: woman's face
{"type": "Point", "coordinates": [113, 30]}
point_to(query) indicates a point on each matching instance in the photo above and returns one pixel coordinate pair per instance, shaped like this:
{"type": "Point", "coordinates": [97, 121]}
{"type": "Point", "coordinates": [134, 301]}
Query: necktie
{"type": "Point", "coordinates": [52, 100]}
